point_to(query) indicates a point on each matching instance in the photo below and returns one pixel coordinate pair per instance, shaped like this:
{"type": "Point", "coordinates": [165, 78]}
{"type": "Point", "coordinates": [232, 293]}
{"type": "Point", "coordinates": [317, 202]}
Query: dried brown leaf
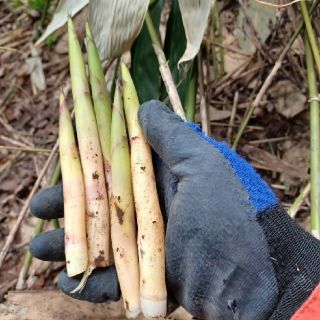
{"type": "Point", "coordinates": [288, 99]}
{"type": "Point", "coordinates": [261, 159]}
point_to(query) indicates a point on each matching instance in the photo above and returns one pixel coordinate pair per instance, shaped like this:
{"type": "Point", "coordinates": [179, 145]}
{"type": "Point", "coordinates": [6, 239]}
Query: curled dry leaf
{"type": "Point", "coordinates": [287, 98]}
{"type": "Point", "coordinates": [195, 15]}
{"type": "Point", "coordinates": [64, 9]}
{"type": "Point", "coordinates": [116, 24]}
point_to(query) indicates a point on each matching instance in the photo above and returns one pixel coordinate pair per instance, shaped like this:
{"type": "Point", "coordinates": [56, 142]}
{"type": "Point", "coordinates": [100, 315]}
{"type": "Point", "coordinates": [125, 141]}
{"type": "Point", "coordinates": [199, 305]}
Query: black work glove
{"type": "Point", "coordinates": [232, 252]}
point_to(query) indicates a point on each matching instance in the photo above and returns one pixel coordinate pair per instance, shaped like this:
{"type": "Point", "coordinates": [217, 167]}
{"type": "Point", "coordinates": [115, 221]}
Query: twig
{"type": "Point", "coordinates": [25, 149]}
{"type": "Point", "coordinates": [205, 122]}
{"type": "Point", "coordinates": [24, 209]}
{"type": "Point", "coordinates": [164, 69]}
{"type": "Point", "coordinates": [273, 5]}
{"type": "Point", "coordinates": [314, 141]}
{"type": "Point", "coordinates": [292, 211]}
{"type": "Point", "coordinates": [233, 115]}
{"type": "Point", "coordinates": [216, 26]}
{"type": "Point", "coordinates": [268, 140]}
{"type": "Point", "coordinates": [37, 230]}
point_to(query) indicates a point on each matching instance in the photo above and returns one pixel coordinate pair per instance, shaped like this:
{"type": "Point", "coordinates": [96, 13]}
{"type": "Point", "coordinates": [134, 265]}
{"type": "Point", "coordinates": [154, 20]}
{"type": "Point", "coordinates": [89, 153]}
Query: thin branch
{"type": "Point", "coordinates": [164, 69]}
{"type": "Point", "coordinates": [292, 211]}
{"type": "Point", "coordinates": [205, 122]}
{"type": "Point", "coordinates": [25, 207]}
{"type": "Point", "coordinates": [26, 149]}
{"type": "Point", "coordinates": [233, 115]}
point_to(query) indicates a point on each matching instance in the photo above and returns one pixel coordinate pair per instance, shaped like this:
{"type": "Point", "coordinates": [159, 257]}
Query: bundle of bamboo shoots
{"type": "Point", "coordinates": [109, 177]}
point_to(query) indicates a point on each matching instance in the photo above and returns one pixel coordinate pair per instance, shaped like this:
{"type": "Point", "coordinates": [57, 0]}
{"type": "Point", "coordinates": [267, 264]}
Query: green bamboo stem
{"type": "Point", "coordinates": [314, 141]}
{"type": "Point", "coordinates": [37, 230]}
{"type": "Point", "coordinates": [269, 79]}
{"type": "Point", "coordinates": [191, 94]}
{"type": "Point", "coordinates": [311, 35]}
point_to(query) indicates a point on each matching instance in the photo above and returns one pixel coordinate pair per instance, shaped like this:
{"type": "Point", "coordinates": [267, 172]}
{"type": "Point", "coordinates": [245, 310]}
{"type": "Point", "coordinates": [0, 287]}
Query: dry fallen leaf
{"type": "Point", "coordinates": [297, 154]}
{"type": "Point", "coordinates": [218, 115]}
{"type": "Point", "coordinates": [288, 99]}
{"type": "Point", "coordinates": [233, 61]}
{"type": "Point", "coordinates": [261, 159]}
{"type": "Point", "coordinates": [195, 15]}
{"type": "Point", "coordinates": [116, 24]}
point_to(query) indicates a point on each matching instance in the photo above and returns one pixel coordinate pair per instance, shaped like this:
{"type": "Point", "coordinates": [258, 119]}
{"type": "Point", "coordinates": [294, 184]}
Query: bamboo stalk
{"type": "Point", "coordinates": [314, 141]}
{"type": "Point", "coordinates": [123, 225]}
{"type": "Point", "coordinates": [311, 35]}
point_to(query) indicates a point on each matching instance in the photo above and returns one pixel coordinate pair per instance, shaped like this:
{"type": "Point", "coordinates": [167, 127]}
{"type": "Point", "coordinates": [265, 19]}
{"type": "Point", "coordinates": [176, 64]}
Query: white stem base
{"type": "Point", "coordinates": [316, 234]}
{"type": "Point", "coordinates": [132, 314]}
{"type": "Point", "coordinates": [153, 309]}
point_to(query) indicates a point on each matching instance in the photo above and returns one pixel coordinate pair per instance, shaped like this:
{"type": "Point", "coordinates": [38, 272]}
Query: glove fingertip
{"type": "Point", "coordinates": [48, 246]}
{"type": "Point", "coordinates": [48, 203]}
{"type": "Point", "coordinates": [102, 286]}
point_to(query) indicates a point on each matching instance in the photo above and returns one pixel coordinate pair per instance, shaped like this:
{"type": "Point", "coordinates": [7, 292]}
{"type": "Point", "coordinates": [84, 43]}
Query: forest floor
{"type": "Point", "coordinates": [275, 142]}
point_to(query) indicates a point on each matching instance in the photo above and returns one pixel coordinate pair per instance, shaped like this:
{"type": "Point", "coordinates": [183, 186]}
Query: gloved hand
{"type": "Point", "coordinates": [232, 252]}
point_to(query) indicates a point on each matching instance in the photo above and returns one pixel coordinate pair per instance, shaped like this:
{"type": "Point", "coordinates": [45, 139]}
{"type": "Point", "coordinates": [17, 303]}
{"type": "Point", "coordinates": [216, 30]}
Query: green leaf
{"type": "Point", "coordinates": [144, 63]}
{"type": "Point", "coordinates": [37, 4]}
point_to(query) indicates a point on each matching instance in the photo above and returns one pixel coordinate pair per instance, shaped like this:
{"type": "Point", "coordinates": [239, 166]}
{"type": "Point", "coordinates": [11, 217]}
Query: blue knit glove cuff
{"type": "Point", "coordinates": [260, 194]}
